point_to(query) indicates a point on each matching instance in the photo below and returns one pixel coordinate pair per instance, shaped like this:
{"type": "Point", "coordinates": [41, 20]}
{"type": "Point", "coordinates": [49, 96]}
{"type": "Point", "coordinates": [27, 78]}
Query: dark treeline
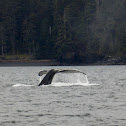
{"type": "Point", "coordinates": [66, 30]}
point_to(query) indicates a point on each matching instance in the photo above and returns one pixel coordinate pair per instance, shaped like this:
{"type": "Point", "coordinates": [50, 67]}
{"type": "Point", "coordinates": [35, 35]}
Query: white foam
{"type": "Point", "coordinates": [73, 84]}
{"type": "Point", "coordinates": [21, 85]}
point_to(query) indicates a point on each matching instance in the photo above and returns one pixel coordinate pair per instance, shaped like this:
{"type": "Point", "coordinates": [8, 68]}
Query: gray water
{"type": "Point", "coordinates": [96, 105]}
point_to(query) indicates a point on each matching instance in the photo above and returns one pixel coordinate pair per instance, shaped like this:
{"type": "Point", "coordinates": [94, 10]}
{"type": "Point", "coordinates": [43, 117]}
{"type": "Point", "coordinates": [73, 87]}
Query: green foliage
{"type": "Point", "coordinates": [16, 57]}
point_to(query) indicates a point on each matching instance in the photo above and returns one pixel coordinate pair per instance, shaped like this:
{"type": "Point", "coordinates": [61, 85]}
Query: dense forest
{"type": "Point", "coordinates": [65, 30]}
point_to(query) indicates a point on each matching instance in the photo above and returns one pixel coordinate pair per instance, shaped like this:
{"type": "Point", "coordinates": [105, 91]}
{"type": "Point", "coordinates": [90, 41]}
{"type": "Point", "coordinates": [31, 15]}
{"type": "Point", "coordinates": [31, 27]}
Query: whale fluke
{"type": "Point", "coordinates": [42, 72]}
{"type": "Point", "coordinates": [50, 74]}
{"type": "Point", "coordinates": [48, 77]}
{"type": "Point", "coordinates": [70, 71]}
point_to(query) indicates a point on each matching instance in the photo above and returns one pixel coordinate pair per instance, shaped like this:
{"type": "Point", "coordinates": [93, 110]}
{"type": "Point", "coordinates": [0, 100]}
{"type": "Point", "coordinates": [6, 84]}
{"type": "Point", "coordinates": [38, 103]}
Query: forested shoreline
{"type": "Point", "coordinates": [71, 31]}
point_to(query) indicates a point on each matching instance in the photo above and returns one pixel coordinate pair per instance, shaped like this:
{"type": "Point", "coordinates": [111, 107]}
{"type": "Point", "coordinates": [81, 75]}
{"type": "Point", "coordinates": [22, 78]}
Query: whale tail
{"type": "Point", "coordinates": [50, 74]}
{"type": "Point", "coordinates": [41, 73]}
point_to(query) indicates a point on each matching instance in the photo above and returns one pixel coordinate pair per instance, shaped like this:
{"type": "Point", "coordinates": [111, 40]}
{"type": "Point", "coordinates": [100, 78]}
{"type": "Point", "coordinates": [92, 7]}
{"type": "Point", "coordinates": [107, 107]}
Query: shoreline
{"type": "Point", "coordinates": [4, 63]}
{"type": "Point", "coordinates": [28, 63]}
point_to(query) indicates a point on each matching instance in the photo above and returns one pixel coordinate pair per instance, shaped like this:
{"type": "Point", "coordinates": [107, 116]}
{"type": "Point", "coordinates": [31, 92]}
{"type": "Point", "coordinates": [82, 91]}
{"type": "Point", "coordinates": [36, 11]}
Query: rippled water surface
{"type": "Point", "coordinates": [96, 105]}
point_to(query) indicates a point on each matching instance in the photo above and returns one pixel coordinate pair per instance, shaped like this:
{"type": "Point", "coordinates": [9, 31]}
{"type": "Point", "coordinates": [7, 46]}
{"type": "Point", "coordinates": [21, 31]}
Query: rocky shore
{"type": "Point", "coordinates": [112, 61]}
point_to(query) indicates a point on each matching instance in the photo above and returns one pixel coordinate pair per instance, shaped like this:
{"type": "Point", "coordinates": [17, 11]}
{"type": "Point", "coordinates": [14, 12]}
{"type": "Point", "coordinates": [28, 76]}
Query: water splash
{"type": "Point", "coordinates": [86, 79]}
{"type": "Point", "coordinates": [69, 79]}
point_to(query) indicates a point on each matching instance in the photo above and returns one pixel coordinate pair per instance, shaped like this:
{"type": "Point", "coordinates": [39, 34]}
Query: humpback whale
{"type": "Point", "coordinates": [47, 80]}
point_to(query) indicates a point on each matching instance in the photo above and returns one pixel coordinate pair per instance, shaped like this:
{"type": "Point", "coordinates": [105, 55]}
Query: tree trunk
{"type": "Point", "coordinates": [97, 6]}
{"type": "Point", "coordinates": [2, 46]}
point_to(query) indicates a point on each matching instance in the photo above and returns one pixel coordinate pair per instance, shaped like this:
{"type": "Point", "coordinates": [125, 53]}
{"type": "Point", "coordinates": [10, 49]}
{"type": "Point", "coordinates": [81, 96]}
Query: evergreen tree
{"type": "Point", "coordinates": [66, 30]}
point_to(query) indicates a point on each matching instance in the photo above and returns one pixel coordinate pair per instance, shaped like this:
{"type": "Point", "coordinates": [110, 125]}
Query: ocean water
{"type": "Point", "coordinates": [101, 102]}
